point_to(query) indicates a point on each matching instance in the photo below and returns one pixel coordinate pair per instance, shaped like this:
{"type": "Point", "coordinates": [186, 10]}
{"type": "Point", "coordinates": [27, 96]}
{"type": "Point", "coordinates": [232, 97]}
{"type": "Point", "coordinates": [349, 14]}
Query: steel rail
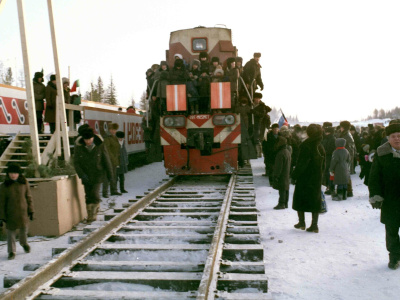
{"type": "Point", "coordinates": [32, 285]}
{"type": "Point", "coordinates": [211, 269]}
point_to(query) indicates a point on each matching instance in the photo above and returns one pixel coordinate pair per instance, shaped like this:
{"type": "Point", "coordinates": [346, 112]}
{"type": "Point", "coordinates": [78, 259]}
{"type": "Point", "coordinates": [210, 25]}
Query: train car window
{"type": "Point", "coordinates": [199, 44]}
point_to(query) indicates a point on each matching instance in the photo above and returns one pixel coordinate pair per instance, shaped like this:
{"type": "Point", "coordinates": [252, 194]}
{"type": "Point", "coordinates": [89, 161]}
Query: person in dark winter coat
{"type": "Point", "coordinates": [340, 169]}
{"type": "Point", "coordinates": [147, 135]}
{"type": "Point", "coordinates": [233, 74]}
{"type": "Point", "coordinates": [252, 71]}
{"type": "Point", "coordinates": [16, 208]}
{"type": "Point", "coordinates": [51, 103]}
{"type": "Point", "coordinates": [92, 163]}
{"type": "Point", "coordinates": [113, 148]}
{"type": "Point", "coordinates": [365, 158]}
{"type": "Point", "coordinates": [384, 189]}
{"type": "Point", "coordinates": [357, 147]}
{"type": "Point", "coordinates": [328, 142]}
{"type": "Point", "coordinates": [214, 65]}
{"type": "Point", "coordinates": [39, 91]}
{"type": "Point", "coordinates": [150, 81]}
{"type": "Point", "coordinates": [123, 161]}
{"type": "Point", "coordinates": [178, 75]}
{"type": "Point", "coordinates": [261, 121]}
{"type": "Point", "coordinates": [350, 146]}
{"type": "Point", "coordinates": [281, 172]}
{"type": "Point", "coordinates": [204, 63]}
{"type": "Point", "coordinates": [162, 75]}
{"type": "Point", "coordinates": [268, 147]}
{"type": "Point", "coordinates": [308, 175]}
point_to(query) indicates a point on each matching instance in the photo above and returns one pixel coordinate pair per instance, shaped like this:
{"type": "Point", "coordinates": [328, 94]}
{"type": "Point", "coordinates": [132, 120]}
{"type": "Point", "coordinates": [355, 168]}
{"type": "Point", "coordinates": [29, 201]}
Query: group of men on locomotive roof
{"type": "Point", "coordinates": [197, 77]}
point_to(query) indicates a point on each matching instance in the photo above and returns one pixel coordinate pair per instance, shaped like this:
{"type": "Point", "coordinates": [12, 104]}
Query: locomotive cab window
{"type": "Point", "coordinates": [199, 44]}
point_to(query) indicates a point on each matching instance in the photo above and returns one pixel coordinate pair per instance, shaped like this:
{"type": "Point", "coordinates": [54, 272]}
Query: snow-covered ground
{"type": "Point", "coordinates": [346, 260]}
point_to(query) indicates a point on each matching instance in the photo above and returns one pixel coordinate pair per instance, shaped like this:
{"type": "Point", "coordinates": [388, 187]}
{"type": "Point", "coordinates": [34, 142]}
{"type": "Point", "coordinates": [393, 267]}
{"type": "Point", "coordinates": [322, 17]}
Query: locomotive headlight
{"type": "Point", "coordinates": [175, 121]}
{"type": "Point", "coordinates": [224, 120]}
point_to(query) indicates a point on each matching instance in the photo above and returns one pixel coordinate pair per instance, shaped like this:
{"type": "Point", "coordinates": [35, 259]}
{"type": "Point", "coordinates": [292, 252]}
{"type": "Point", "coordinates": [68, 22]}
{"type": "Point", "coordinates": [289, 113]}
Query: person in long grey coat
{"type": "Point", "coordinates": [340, 169]}
{"type": "Point", "coordinates": [384, 190]}
{"type": "Point", "coordinates": [281, 172]}
{"type": "Point", "coordinates": [123, 158]}
{"type": "Point", "coordinates": [308, 176]}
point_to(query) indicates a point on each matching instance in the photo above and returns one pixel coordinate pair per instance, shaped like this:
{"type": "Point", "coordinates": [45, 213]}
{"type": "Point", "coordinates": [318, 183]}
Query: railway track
{"type": "Point", "coordinates": [191, 238]}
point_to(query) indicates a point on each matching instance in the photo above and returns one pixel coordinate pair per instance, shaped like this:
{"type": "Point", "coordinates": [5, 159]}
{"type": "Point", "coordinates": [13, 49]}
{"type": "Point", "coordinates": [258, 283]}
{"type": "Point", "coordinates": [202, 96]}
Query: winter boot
{"type": "Point", "coordinates": [27, 248]}
{"type": "Point", "coordinates": [89, 209]}
{"type": "Point", "coordinates": [280, 205]}
{"type": "Point", "coordinates": [11, 255]}
{"type": "Point", "coordinates": [302, 224]}
{"type": "Point", "coordinates": [344, 194]}
{"type": "Point", "coordinates": [394, 262]}
{"type": "Point", "coordinates": [314, 223]}
{"type": "Point", "coordinates": [122, 186]}
{"type": "Point", "coordinates": [338, 196]}
{"type": "Point", "coordinates": [95, 210]}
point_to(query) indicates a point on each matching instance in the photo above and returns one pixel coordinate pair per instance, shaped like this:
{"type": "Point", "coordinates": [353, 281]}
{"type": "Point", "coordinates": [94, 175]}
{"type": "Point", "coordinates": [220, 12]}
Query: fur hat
{"type": "Point", "coordinates": [239, 59]}
{"type": "Point", "coordinates": [203, 54]}
{"type": "Point", "coordinates": [329, 129]}
{"type": "Point", "coordinates": [196, 62]}
{"type": "Point", "coordinates": [284, 131]}
{"type": "Point", "coordinates": [258, 95]}
{"type": "Point", "coordinates": [345, 124]}
{"type": "Point", "coordinates": [52, 77]}
{"type": "Point", "coordinates": [178, 63]}
{"type": "Point", "coordinates": [352, 128]}
{"type": "Point", "coordinates": [179, 55]}
{"type": "Point", "coordinates": [392, 128]}
{"type": "Point", "coordinates": [275, 125]}
{"type": "Point", "coordinates": [113, 126]}
{"type": "Point", "coordinates": [120, 134]}
{"type": "Point", "coordinates": [87, 133]}
{"type": "Point", "coordinates": [256, 54]}
{"type": "Point", "coordinates": [243, 100]}
{"type": "Point", "coordinates": [65, 80]}
{"type": "Point", "coordinates": [327, 124]}
{"type": "Point", "coordinates": [314, 130]}
{"type": "Point", "coordinates": [229, 61]}
{"type": "Point", "coordinates": [219, 71]}
{"type": "Point", "coordinates": [296, 128]}
{"type": "Point", "coordinates": [14, 168]}
{"type": "Point", "coordinates": [82, 128]}
{"type": "Point", "coordinates": [38, 75]}
{"type": "Point", "coordinates": [149, 71]}
{"type": "Point", "coordinates": [163, 63]}
{"type": "Point", "coordinates": [215, 59]}
{"type": "Point", "coordinates": [154, 67]}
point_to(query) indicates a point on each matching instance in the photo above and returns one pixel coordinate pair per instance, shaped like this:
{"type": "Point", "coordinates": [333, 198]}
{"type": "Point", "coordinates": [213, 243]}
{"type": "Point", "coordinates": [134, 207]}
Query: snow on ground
{"type": "Point", "coordinates": [347, 259]}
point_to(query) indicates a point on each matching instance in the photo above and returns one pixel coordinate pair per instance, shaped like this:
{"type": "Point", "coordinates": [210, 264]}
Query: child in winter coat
{"type": "Point", "coordinates": [16, 207]}
{"type": "Point", "coordinates": [340, 169]}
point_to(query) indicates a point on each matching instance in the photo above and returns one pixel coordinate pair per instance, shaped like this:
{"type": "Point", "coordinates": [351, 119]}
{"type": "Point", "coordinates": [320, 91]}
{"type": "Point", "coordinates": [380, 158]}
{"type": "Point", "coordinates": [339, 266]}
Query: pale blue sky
{"type": "Point", "coordinates": [322, 60]}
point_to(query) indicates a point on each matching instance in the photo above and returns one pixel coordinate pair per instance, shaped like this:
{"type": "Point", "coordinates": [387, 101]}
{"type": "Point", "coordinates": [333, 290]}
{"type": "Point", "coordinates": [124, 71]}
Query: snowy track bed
{"type": "Point", "coordinates": [193, 237]}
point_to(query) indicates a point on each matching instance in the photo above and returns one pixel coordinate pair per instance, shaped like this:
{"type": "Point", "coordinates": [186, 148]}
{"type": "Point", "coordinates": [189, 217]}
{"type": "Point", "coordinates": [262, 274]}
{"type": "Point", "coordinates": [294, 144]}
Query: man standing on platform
{"type": "Point", "coordinates": [39, 91]}
{"type": "Point", "coordinates": [112, 145]}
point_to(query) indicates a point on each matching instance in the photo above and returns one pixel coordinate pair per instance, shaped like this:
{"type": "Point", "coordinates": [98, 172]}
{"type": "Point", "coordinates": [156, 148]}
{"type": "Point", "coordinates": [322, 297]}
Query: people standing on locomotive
{"type": "Point", "coordinates": [214, 65]}
{"type": "Point", "coordinates": [123, 159]}
{"type": "Point", "coordinates": [113, 148]}
{"type": "Point", "coordinates": [261, 121]}
{"type": "Point", "coordinates": [150, 81]}
{"type": "Point", "coordinates": [51, 103]}
{"type": "Point", "coordinates": [204, 63]}
{"type": "Point", "coordinates": [179, 56]}
{"type": "Point", "coordinates": [162, 75]}
{"type": "Point", "coordinates": [39, 91]}
{"type": "Point", "coordinates": [192, 86]}
{"type": "Point", "coordinates": [233, 73]}
{"type": "Point", "coordinates": [92, 163]}
{"type": "Point", "coordinates": [218, 75]}
{"type": "Point", "coordinates": [178, 74]}
{"type": "Point", "coordinates": [252, 71]}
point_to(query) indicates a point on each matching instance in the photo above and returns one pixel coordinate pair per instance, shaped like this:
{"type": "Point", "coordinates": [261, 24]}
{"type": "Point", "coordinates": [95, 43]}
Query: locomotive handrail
{"type": "Point", "coordinates": [247, 91]}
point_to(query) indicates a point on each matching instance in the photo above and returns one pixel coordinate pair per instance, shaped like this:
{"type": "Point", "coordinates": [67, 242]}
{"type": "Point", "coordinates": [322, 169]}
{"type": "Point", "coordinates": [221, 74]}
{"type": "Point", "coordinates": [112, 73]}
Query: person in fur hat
{"type": "Point", "coordinates": [214, 65]}
{"type": "Point", "coordinates": [39, 91]}
{"type": "Point", "coordinates": [204, 63]}
{"type": "Point", "coordinates": [123, 166]}
{"type": "Point", "coordinates": [92, 163]}
{"type": "Point", "coordinates": [384, 189]}
{"type": "Point", "coordinates": [51, 103]}
{"type": "Point", "coordinates": [350, 146]}
{"type": "Point", "coordinates": [16, 208]}
{"type": "Point", "coordinates": [113, 148]}
{"type": "Point", "coordinates": [162, 75]}
{"type": "Point", "coordinates": [252, 72]}
{"type": "Point", "coordinates": [308, 176]}
{"type": "Point", "coordinates": [232, 73]}
{"type": "Point", "coordinates": [339, 169]}
{"type": "Point", "coordinates": [178, 75]}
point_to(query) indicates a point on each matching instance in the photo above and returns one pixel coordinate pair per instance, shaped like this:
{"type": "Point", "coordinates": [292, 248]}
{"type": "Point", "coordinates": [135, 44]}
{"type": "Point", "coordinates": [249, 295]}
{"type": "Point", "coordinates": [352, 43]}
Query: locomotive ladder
{"type": "Point", "coordinates": [196, 240]}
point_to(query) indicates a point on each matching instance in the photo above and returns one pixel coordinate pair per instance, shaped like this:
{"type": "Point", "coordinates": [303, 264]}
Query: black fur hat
{"type": "Point", "coordinates": [38, 75]}
{"type": "Point", "coordinates": [327, 124]}
{"type": "Point", "coordinates": [14, 168]}
{"type": "Point", "coordinates": [215, 59]}
{"type": "Point", "coordinates": [203, 54]}
{"type": "Point", "coordinates": [82, 128]}
{"type": "Point", "coordinates": [229, 61]}
{"type": "Point", "coordinates": [275, 125]}
{"type": "Point", "coordinates": [314, 130]}
{"type": "Point", "coordinates": [256, 54]}
{"type": "Point", "coordinates": [87, 133]}
{"type": "Point", "coordinates": [258, 95]}
{"type": "Point", "coordinates": [120, 134]}
{"type": "Point", "coordinates": [345, 124]}
{"type": "Point", "coordinates": [394, 126]}
{"type": "Point", "coordinates": [52, 77]}
{"type": "Point", "coordinates": [239, 59]}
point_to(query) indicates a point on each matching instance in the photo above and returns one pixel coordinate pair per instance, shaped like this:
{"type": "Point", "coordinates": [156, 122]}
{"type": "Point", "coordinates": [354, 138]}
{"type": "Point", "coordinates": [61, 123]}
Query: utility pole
{"type": "Point", "coordinates": [29, 86]}
{"type": "Point", "coordinates": [61, 119]}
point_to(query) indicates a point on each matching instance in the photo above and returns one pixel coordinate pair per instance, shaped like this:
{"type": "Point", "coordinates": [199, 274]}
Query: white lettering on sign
{"type": "Point", "coordinates": [199, 117]}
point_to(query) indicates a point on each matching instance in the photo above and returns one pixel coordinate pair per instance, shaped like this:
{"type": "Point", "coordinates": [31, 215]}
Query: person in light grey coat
{"type": "Point", "coordinates": [340, 169]}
